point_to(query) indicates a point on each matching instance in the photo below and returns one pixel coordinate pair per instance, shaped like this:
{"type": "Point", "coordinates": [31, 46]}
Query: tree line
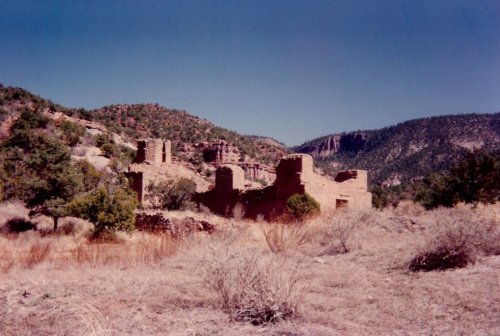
{"type": "Point", "coordinates": [473, 179]}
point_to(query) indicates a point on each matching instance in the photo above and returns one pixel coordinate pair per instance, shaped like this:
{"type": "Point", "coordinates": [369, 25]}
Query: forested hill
{"type": "Point", "coordinates": [152, 120]}
{"type": "Point", "coordinates": [409, 149]}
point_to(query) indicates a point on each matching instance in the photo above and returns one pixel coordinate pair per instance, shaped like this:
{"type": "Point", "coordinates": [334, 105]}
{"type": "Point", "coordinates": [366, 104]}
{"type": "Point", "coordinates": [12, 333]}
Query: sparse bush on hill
{"type": "Point", "coordinates": [25, 130]}
{"type": "Point", "coordinates": [71, 132]}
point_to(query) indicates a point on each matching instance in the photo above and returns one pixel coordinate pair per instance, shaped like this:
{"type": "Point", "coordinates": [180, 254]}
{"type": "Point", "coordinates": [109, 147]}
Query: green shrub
{"type": "Point", "coordinates": [303, 205]}
{"type": "Point", "coordinates": [71, 132]}
{"type": "Point", "coordinates": [109, 212]}
{"type": "Point", "coordinates": [170, 194]}
{"type": "Point", "coordinates": [473, 179]}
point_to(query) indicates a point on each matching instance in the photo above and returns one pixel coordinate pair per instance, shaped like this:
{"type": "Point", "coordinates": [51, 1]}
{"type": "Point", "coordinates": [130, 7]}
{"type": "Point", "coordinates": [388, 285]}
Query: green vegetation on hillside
{"type": "Point", "coordinates": [474, 178]}
{"type": "Point", "coordinates": [152, 120]}
{"type": "Point", "coordinates": [36, 167]}
{"type": "Point", "coordinates": [411, 149]}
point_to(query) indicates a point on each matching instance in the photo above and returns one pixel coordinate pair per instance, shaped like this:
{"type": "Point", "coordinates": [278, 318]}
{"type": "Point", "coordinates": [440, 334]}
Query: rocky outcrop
{"type": "Point", "coordinates": [258, 172]}
{"type": "Point", "coordinates": [352, 142]}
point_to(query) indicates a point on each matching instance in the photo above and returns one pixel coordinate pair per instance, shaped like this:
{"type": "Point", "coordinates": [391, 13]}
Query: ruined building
{"type": "Point", "coordinates": [151, 160]}
{"type": "Point", "coordinates": [218, 152]}
{"type": "Point", "coordinates": [294, 175]}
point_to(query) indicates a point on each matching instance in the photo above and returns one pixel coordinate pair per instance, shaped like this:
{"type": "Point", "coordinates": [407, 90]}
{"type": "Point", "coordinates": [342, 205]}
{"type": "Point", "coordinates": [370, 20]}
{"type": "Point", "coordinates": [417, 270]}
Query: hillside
{"type": "Point", "coordinates": [187, 132]}
{"type": "Point", "coordinates": [392, 155]}
{"type": "Point", "coordinates": [190, 135]}
{"type": "Point", "coordinates": [408, 150]}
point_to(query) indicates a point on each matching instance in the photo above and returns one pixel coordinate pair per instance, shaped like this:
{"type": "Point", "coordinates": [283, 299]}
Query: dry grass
{"type": "Point", "coordinates": [283, 237]}
{"type": "Point", "coordinates": [252, 285]}
{"type": "Point", "coordinates": [37, 253]}
{"type": "Point", "coordinates": [459, 237]}
{"type": "Point", "coordinates": [337, 236]}
{"type": "Point", "coordinates": [217, 284]}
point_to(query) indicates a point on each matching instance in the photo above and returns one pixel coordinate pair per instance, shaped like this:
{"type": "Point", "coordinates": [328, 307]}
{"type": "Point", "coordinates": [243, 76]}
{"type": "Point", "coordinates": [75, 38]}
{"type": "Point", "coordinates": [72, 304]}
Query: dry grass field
{"type": "Point", "coordinates": [339, 274]}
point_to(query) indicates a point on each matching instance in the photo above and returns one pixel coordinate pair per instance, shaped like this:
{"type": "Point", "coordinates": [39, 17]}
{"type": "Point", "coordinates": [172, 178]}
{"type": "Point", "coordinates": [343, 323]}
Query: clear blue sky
{"type": "Point", "coordinates": [292, 70]}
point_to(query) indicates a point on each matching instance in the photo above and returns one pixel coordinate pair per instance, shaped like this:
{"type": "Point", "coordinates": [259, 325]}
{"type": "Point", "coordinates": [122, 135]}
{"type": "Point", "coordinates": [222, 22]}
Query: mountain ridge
{"type": "Point", "coordinates": [408, 150]}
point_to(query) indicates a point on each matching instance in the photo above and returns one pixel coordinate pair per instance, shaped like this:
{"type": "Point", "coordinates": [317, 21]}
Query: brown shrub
{"type": "Point", "coordinates": [461, 235]}
{"type": "Point", "coordinates": [17, 225]}
{"type": "Point", "coordinates": [13, 209]}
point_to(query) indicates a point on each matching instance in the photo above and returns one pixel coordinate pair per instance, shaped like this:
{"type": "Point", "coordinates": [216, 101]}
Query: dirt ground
{"type": "Point", "coordinates": [349, 273]}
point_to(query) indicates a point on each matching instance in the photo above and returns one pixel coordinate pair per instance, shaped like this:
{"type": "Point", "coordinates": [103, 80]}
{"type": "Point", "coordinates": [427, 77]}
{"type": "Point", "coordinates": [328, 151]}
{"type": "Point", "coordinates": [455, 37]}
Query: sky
{"type": "Point", "coordinates": [291, 70]}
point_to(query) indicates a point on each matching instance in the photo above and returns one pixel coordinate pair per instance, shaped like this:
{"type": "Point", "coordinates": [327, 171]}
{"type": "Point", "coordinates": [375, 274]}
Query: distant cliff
{"type": "Point", "coordinates": [408, 150]}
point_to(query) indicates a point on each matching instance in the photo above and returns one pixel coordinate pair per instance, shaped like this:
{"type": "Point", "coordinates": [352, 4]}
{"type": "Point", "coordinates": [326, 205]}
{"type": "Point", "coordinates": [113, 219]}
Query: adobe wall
{"type": "Point", "coordinates": [154, 151]}
{"type": "Point", "coordinates": [136, 183]}
{"type": "Point", "coordinates": [153, 157]}
{"type": "Point", "coordinates": [220, 151]}
{"type": "Point", "coordinates": [294, 175]}
{"type": "Point", "coordinates": [229, 177]}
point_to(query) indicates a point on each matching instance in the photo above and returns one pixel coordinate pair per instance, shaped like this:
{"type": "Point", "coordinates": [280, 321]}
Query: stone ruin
{"type": "Point", "coordinates": [153, 152]}
{"type": "Point", "coordinates": [294, 175]}
{"type": "Point", "coordinates": [219, 152]}
{"type": "Point", "coordinates": [152, 156]}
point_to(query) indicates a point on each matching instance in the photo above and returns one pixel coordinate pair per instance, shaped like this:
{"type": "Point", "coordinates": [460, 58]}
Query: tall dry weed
{"type": "Point", "coordinates": [253, 286]}
{"type": "Point", "coordinates": [282, 237]}
{"type": "Point", "coordinates": [409, 209]}
{"type": "Point", "coordinates": [7, 259]}
{"type": "Point", "coordinates": [37, 253]}
{"type": "Point", "coordinates": [153, 249]}
{"type": "Point", "coordinates": [337, 235]}
{"type": "Point", "coordinates": [238, 211]}
{"type": "Point", "coordinates": [144, 249]}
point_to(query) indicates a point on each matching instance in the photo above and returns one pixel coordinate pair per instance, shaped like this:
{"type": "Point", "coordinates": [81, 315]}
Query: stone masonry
{"type": "Point", "coordinates": [294, 175]}
{"type": "Point", "coordinates": [152, 157]}
{"type": "Point", "coordinates": [153, 152]}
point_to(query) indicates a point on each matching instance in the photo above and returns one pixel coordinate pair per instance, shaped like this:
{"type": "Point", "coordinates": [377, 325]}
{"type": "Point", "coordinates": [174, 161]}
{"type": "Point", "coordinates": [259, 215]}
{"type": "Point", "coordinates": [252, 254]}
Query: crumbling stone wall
{"type": "Point", "coordinates": [178, 228]}
{"type": "Point", "coordinates": [221, 152]}
{"type": "Point", "coordinates": [294, 175]}
{"type": "Point", "coordinates": [229, 177]}
{"type": "Point", "coordinates": [152, 156]}
{"type": "Point", "coordinates": [153, 152]}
